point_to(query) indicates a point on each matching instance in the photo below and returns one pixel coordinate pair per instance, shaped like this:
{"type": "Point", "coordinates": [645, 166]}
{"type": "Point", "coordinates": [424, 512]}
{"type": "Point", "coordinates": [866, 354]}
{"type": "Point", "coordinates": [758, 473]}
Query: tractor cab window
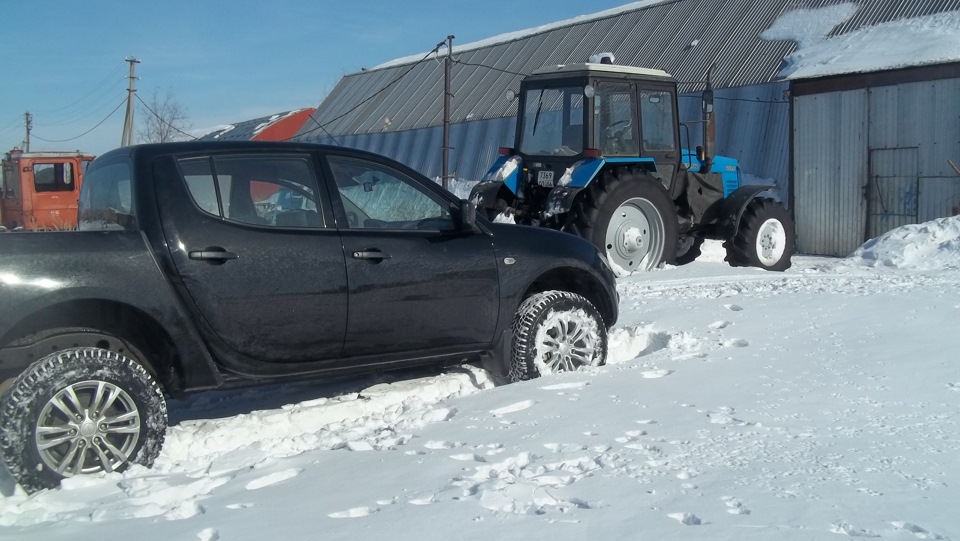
{"type": "Point", "coordinates": [53, 177]}
{"type": "Point", "coordinates": [614, 128]}
{"type": "Point", "coordinates": [656, 108]}
{"type": "Point", "coordinates": [552, 121]}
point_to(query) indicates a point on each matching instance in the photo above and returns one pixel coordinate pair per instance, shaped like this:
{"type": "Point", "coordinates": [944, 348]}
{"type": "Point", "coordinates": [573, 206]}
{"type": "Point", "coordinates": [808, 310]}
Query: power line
{"type": "Point", "coordinates": [375, 94]}
{"type": "Point", "coordinates": [490, 68]}
{"type": "Point", "coordinates": [84, 133]}
{"type": "Point", "coordinates": [154, 113]}
{"type": "Point", "coordinates": [319, 125]}
{"type": "Point", "coordinates": [101, 84]}
{"type": "Point", "coordinates": [717, 98]}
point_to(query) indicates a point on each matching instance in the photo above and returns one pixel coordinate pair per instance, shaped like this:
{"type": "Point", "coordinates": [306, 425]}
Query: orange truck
{"type": "Point", "coordinates": [39, 190]}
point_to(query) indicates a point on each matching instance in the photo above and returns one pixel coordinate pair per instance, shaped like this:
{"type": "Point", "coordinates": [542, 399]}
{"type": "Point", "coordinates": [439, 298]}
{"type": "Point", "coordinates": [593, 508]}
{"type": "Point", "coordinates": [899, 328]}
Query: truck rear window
{"type": "Point", "coordinates": [106, 197]}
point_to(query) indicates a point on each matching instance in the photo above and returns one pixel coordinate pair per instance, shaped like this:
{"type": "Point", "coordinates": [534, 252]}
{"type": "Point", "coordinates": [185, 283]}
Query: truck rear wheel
{"type": "Point", "coordinates": [765, 239]}
{"type": "Point", "coordinates": [80, 411]}
{"type": "Point", "coordinates": [630, 217]}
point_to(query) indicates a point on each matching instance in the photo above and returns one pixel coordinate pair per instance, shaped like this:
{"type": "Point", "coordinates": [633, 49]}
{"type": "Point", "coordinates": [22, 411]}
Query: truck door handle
{"type": "Point", "coordinates": [213, 254]}
{"type": "Point", "coordinates": [371, 254]}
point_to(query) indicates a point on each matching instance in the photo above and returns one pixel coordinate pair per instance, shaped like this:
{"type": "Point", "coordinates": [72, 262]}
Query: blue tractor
{"type": "Point", "coordinates": [598, 154]}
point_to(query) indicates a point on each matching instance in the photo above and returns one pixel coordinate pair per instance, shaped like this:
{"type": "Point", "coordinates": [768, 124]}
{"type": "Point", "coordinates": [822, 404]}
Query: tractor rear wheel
{"type": "Point", "coordinates": [765, 239]}
{"type": "Point", "coordinates": [628, 215]}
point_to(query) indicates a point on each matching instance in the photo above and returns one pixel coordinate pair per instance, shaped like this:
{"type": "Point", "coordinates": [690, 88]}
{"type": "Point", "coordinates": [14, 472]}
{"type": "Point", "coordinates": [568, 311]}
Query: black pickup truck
{"type": "Point", "coordinates": [204, 265]}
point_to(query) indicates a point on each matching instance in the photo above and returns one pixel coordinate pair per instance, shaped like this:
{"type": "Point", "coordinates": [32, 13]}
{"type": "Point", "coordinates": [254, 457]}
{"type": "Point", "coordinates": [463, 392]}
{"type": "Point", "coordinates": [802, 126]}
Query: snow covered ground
{"type": "Point", "coordinates": [737, 404]}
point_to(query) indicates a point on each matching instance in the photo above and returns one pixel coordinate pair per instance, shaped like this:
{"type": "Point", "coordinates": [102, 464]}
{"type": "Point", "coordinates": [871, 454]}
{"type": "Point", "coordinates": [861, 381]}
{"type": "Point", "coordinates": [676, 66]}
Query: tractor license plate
{"type": "Point", "coordinates": [545, 178]}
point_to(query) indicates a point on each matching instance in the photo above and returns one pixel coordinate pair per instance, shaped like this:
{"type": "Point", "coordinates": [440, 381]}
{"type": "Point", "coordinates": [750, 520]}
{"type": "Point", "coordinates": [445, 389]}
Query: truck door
{"type": "Point", "coordinates": [417, 284]}
{"type": "Point", "coordinates": [53, 195]}
{"type": "Point", "coordinates": [253, 246]}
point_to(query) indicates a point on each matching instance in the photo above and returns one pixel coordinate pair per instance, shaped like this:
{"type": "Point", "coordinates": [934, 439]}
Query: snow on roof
{"type": "Point", "coordinates": [511, 36]}
{"type": "Point", "coordinates": [808, 27]}
{"type": "Point", "coordinates": [217, 131]}
{"type": "Point", "coordinates": [609, 68]}
{"type": "Point", "coordinates": [932, 39]}
{"type": "Point", "coordinates": [932, 245]}
{"type": "Point", "coordinates": [273, 119]}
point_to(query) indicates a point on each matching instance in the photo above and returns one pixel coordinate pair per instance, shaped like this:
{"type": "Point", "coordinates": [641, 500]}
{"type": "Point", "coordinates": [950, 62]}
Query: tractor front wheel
{"type": "Point", "coordinates": [765, 239]}
{"type": "Point", "coordinates": [630, 217]}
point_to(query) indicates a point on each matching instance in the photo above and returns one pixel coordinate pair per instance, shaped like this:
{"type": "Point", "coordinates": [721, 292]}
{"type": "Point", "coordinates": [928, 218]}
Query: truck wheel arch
{"type": "Point", "coordinates": [97, 323]}
{"type": "Point", "coordinates": [576, 281]}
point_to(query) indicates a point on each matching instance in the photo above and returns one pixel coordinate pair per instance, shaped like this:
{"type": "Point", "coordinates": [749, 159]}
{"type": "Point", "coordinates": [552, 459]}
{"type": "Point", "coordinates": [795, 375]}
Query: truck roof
{"type": "Point", "coordinates": [602, 69]}
{"type": "Point", "coordinates": [51, 154]}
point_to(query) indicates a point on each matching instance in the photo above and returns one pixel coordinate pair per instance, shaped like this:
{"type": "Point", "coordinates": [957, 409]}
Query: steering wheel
{"type": "Point", "coordinates": [616, 136]}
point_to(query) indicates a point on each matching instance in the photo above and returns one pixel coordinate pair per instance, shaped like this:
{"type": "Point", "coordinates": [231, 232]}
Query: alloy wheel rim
{"type": "Point", "coordinates": [87, 427]}
{"type": "Point", "coordinates": [566, 343]}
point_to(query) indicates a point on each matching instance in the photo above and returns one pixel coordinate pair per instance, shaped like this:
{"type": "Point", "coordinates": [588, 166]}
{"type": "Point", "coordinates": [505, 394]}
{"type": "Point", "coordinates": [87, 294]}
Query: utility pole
{"type": "Point", "coordinates": [447, 67]}
{"type": "Point", "coordinates": [28, 122]}
{"type": "Point", "coordinates": [127, 138]}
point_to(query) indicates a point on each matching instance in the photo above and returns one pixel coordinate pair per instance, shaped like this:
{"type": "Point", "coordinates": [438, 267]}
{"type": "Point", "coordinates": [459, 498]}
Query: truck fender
{"type": "Point", "coordinates": [733, 207]}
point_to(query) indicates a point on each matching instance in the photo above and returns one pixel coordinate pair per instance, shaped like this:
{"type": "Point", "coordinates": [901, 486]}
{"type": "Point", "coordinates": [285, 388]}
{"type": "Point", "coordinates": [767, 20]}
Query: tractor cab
{"type": "Point", "coordinates": [583, 111]}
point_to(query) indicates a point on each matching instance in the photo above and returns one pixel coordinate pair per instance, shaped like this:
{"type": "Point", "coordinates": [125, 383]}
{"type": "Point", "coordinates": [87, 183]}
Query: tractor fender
{"type": "Point", "coordinates": [506, 170]}
{"type": "Point", "coordinates": [561, 200]}
{"type": "Point", "coordinates": [733, 207]}
{"type": "Point", "coordinates": [484, 194]}
{"type": "Point", "coordinates": [581, 174]}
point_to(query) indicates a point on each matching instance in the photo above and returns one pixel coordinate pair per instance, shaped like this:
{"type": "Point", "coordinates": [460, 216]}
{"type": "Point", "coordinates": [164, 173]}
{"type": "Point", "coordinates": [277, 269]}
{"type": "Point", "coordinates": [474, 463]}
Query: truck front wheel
{"type": "Point", "coordinates": [80, 411]}
{"type": "Point", "coordinates": [556, 331]}
{"type": "Point", "coordinates": [765, 238]}
{"type": "Point", "coordinates": [630, 217]}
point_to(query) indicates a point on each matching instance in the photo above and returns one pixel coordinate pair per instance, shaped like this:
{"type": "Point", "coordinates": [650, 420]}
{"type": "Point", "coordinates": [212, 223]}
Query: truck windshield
{"type": "Point", "coordinates": [552, 121]}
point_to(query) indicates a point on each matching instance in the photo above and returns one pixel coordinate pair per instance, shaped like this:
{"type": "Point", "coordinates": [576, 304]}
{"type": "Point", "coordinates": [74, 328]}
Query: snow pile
{"type": "Point", "coordinates": [933, 245]}
{"type": "Point", "coordinates": [919, 41]}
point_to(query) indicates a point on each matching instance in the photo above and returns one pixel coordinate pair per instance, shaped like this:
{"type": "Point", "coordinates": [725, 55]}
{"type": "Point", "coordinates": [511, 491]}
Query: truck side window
{"type": "Point", "coordinates": [376, 197]}
{"type": "Point", "coordinates": [53, 177]}
{"type": "Point", "coordinates": [277, 191]}
{"type": "Point", "coordinates": [106, 197]}
{"type": "Point", "coordinates": [657, 110]}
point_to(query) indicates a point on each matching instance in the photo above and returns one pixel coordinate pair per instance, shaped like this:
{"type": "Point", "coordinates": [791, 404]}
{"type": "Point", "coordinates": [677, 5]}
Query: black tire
{"type": "Point", "coordinates": [765, 239]}
{"type": "Point", "coordinates": [691, 253]}
{"type": "Point", "coordinates": [556, 331]}
{"type": "Point", "coordinates": [644, 207]}
{"type": "Point", "coordinates": [129, 429]}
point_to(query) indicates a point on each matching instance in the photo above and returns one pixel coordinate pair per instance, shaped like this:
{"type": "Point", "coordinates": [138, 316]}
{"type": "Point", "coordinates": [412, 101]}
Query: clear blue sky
{"type": "Point", "coordinates": [224, 61]}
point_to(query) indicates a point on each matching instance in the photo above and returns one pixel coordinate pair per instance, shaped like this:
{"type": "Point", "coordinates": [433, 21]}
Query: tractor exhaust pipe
{"type": "Point", "coordinates": [705, 153]}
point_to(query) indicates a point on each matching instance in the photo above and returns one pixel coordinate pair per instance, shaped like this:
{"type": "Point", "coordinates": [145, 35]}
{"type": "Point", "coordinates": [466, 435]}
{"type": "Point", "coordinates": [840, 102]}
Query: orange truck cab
{"type": "Point", "coordinates": [39, 190]}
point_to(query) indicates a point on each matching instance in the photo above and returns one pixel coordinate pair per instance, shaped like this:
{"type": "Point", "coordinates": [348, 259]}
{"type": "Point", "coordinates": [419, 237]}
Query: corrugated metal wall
{"type": "Point", "coordinates": [868, 160]}
{"type": "Point", "coordinates": [752, 126]}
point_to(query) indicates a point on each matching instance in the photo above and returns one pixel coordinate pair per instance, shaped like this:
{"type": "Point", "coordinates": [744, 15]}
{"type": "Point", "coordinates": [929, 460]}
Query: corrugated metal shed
{"type": "Point", "coordinates": [397, 110]}
{"type": "Point", "coordinates": [682, 37]}
{"type": "Point", "coordinates": [874, 154]}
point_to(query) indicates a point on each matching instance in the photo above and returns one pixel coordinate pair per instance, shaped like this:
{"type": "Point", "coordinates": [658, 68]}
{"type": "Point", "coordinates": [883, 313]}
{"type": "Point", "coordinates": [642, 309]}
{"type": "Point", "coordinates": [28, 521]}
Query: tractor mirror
{"type": "Point", "coordinates": [511, 95]}
{"type": "Point", "coordinates": [589, 91]}
{"type": "Point", "coordinates": [701, 154]}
